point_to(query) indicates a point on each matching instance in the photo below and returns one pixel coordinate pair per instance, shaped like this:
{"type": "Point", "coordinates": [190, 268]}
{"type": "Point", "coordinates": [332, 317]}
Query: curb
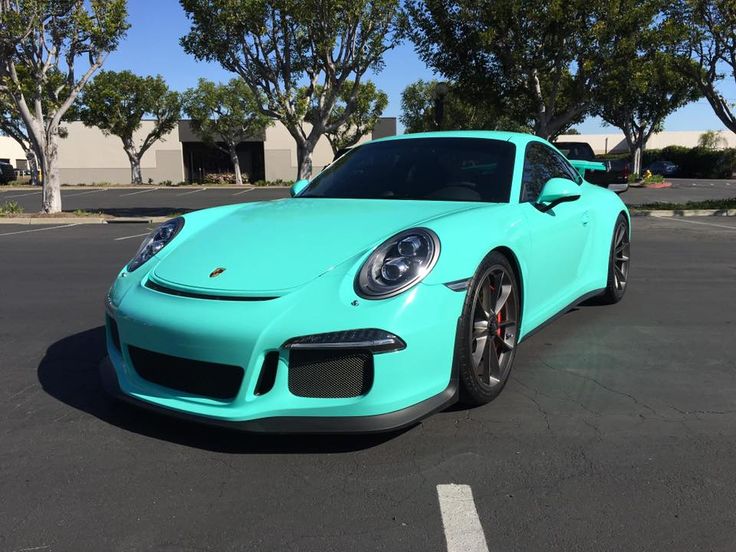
{"type": "Point", "coordinates": [51, 220]}
{"type": "Point", "coordinates": [682, 212]}
{"type": "Point", "coordinates": [36, 221]}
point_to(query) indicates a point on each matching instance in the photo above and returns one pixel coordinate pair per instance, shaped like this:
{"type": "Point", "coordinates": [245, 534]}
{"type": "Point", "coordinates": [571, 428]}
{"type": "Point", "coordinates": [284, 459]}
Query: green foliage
{"type": "Point", "coordinates": [116, 103]}
{"type": "Point", "coordinates": [224, 113]}
{"type": "Point", "coordinates": [700, 35]}
{"type": "Point", "coordinates": [653, 179]}
{"type": "Point", "coordinates": [691, 205]}
{"type": "Point", "coordinates": [460, 112]}
{"type": "Point", "coordinates": [368, 104]}
{"type": "Point", "coordinates": [10, 208]}
{"type": "Point", "coordinates": [712, 140]}
{"type": "Point", "coordinates": [696, 162]}
{"type": "Point", "coordinates": [276, 46]}
{"type": "Point", "coordinates": [638, 86]}
{"type": "Point", "coordinates": [535, 62]}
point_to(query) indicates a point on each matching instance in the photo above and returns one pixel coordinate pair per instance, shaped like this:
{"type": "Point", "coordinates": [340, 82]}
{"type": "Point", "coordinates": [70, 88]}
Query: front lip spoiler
{"type": "Point", "coordinates": [379, 423]}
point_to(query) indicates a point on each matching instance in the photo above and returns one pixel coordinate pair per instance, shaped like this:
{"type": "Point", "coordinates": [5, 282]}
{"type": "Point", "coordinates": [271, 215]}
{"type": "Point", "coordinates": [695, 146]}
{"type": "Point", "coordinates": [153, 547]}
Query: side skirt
{"type": "Point", "coordinates": [562, 312]}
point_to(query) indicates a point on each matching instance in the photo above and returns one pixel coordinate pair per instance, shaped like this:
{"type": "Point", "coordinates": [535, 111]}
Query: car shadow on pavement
{"type": "Point", "coordinates": [69, 373]}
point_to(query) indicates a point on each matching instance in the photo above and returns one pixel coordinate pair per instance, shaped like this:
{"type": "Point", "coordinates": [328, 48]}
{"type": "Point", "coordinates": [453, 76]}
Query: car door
{"type": "Point", "coordinates": [558, 237]}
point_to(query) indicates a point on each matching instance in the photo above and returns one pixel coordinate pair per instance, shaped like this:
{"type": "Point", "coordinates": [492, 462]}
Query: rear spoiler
{"type": "Point", "coordinates": [583, 166]}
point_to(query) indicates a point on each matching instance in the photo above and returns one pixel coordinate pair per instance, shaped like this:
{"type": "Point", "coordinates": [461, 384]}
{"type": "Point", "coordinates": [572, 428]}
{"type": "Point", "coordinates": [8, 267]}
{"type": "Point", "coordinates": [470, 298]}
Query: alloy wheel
{"type": "Point", "coordinates": [621, 257]}
{"type": "Point", "coordinates": [494, 329]}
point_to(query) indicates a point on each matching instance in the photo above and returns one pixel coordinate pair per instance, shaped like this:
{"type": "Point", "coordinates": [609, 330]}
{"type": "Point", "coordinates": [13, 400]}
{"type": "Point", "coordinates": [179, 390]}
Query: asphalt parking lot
{"type": "Point", "coordinates": [617, 430]}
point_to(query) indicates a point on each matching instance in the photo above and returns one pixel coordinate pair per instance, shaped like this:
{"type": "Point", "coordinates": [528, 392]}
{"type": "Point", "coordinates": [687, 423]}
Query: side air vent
{"type": "Point", "coordinates": [267, 377]}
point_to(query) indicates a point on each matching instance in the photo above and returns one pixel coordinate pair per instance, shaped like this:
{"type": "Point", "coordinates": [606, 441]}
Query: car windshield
{"type": "Point", "coordinates": [432, 169]}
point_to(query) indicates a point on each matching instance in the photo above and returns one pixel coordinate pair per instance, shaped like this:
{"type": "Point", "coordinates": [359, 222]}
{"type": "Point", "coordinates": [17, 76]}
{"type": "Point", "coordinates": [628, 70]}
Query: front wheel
{"type": "Point", "coordinates": [618, 263]}
{"type": "Point", "coordinates": [489, 331]}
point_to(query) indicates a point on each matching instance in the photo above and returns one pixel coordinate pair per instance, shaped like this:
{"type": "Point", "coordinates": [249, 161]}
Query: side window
{"type": "Point", "coordinates": [540, 164]}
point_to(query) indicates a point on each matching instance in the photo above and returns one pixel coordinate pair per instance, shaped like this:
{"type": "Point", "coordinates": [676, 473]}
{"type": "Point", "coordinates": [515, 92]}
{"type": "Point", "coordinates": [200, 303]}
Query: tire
{"type": "Point", "coordinates": [619, 260]}
{"type": "Point", "coordinates": [488, 331]}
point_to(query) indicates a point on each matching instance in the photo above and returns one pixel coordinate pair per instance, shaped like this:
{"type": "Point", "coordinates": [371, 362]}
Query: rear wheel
{"type": "Point", "coordinates": [618, 263]}
{"type": "Point", "coordinates": [489, 331]}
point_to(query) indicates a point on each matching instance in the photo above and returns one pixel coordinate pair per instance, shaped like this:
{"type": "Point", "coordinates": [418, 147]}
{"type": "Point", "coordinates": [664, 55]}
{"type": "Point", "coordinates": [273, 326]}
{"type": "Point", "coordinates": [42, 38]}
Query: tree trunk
{"type": "Point", "coordinates": [32, 167]}
{"type": "Point", "coordinates": [304, 160]}
{"type": "Point", "coordinates": [134, 157]}
{"type": "Point", "coordinates": [638, 152]}
{"type": "Point", "coordinates": [136, 177]}
{"type": "Point", "coordinates": [236, 164]}
{"type": "Point", "coordinates": [51, 180]}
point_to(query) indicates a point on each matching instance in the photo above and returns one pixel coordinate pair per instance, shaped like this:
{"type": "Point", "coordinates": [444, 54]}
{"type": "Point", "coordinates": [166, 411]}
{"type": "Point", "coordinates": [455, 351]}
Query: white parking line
{"type": "Point", "coordinates": [85, 193]}
{"type": "Point", "coordinates": [22, 195]}
{"type": "Point", "coordinates": [192, 192]}
{"type": "Point", "coordinates": [244, 191]}
{"type": "Point", "coordinates": [463, 531]}
{"type": "Point", "coordinates": [675, 219]}
{"type": "Point", "coordinates": [38, 229]}
{"type": "Point", "coordinates": [129, 237]}
{"type": "Point", "coordinates": [140, 192]}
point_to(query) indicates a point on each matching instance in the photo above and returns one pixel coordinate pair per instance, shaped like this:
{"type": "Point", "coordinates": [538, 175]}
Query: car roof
{"type": "Point", "coordinates": [518, 138]}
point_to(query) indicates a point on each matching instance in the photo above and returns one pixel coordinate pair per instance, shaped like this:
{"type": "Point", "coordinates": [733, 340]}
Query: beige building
{"type": "Point", "coordinates": [87, 156]}
{"type": "Point", "coordinates": [616, 143]}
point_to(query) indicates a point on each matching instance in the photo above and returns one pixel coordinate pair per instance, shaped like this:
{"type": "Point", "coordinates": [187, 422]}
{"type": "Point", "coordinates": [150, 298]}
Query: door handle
{"type": "Point", "coordinates": [586, 218]}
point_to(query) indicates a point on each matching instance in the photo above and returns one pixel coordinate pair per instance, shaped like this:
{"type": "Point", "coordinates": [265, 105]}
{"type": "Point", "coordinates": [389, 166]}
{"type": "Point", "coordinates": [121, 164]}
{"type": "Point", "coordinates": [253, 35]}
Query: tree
{"type": "Point", "coordinates": [704, 42]}
{"type": "Point", "coordinates": [225, 114]}
{"type": "Point", "coordinates": [48, 38]}
{"type": "Point", "coordinates": [368, 107]}
{"type": "Point", "coordinates": [638, 85]}
{"type": "Point", "coordinates": [12, 125]}
{"type": "Point", "coordinates": [535, 60]}
{"type": "Point", "coordinates": [712, 140]}
{"type": "Point", "coordinates": [642, 92]}
{"type": "Point", "coordinates": [461, 110]}
{"type": "Point", "coordinates": [117, 102]}
{"type": "Point", "coordinates": [276, 46]}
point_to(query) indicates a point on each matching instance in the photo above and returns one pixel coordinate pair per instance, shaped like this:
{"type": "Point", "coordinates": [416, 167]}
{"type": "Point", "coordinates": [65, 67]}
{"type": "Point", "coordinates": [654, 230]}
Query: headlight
{"type": "Point", "coordinates": [398, 264]}
{"type": "Point", "coordinates": [156, 241]}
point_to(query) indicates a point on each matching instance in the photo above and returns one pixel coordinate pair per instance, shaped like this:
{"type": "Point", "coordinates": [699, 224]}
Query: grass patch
{"type": "Point", "coordinates": [10, 208]}
{"type": "Point", "coordinates": [691, 205]}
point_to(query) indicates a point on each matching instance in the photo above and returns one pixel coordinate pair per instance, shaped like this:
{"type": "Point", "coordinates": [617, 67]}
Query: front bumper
{"type": "Point", "coordinates": [406, 385]}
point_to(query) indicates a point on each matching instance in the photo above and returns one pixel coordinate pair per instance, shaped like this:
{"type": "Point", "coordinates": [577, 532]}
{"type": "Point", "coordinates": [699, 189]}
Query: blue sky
{"type": "Point", "coordinates": [152, 47]}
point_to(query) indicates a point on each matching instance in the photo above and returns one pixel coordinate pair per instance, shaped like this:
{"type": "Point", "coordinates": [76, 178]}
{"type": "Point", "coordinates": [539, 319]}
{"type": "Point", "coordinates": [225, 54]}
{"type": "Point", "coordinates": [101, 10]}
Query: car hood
{"type": "Point", "coordinates": [272, 247]}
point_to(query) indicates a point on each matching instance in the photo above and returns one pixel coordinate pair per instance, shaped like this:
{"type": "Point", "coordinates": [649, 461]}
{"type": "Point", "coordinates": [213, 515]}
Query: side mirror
{"type": "Point", "coordinates": [298, 186]}
{"type": "Point", "coordinates": [556, 191]}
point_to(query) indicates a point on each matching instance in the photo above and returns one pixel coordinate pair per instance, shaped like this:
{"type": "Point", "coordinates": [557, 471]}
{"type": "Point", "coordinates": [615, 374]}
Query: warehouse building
{"type": "Point", "coordinates": [87, 156]}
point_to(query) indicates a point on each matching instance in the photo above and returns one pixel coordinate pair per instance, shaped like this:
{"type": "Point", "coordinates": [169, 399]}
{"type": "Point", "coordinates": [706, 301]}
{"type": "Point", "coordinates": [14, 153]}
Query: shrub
{"type": "Point", "coordinates": [696, 162]}
{"type": "Point", "coordinates": [10, 208]}
{"type": "Point", "coordinates": [221, 178]}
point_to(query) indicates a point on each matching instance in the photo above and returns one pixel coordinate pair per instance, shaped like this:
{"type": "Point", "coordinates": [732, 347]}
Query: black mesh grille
{"type": "Point", "coordinates": [330, 374]}
{"type": "Point", "coordinates": [219, 381]}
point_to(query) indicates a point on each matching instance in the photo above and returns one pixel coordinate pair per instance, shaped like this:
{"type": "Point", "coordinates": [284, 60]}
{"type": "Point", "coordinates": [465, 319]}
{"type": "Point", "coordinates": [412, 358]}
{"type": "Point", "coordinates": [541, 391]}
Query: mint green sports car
{"type": "Point", "coordinates": [398, 281]}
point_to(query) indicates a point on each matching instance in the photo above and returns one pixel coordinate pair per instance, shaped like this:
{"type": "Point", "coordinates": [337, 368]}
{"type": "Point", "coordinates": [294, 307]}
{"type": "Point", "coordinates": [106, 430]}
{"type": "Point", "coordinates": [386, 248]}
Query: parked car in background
{"type": "Point", "coordinates": [7, 173]}
{"type": "Point", "coordinates": [662, 167]}
{"type": "Point", "coordinates": [616, 175]}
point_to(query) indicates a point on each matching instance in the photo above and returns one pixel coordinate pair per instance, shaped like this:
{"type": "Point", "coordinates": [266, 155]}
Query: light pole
{"type": "Point", "coordinates": [441, 89]}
